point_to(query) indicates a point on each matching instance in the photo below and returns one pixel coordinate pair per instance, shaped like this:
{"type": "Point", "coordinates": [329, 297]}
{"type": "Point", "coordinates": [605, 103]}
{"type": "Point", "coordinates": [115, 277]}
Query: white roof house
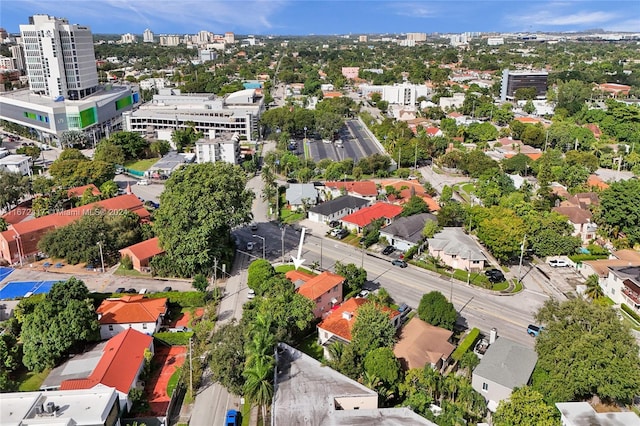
{"type": "Point", "coordinates": [16, 164]}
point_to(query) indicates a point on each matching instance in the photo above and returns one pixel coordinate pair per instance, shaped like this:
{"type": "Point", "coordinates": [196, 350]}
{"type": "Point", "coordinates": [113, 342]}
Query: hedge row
{"type": "Point", "coordinates": [174, 339]}
{"type": "Point", "coordinates": [631, 312]}
{"type": "Point", "coordinates": [186, 299]}
{"type": "Point", "coordinates": [584, 257]}
{"type": "Point", "coordinates": [466, 344]}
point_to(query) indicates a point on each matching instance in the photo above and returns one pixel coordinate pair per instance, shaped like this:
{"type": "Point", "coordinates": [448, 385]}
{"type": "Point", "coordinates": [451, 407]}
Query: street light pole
{"type": "Point", "coordinates": [521, 256]}
{"type": "Point", "coordinates": [99, 243]}
{"type": "Point", "coordinates": [282, 232]}
{"type": "Point", "coordinates": [264, 243]}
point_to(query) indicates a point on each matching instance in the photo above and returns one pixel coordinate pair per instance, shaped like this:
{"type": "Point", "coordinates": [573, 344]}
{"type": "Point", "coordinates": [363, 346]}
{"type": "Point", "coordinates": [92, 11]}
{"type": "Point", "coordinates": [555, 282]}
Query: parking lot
{"type": "Point", "coordinates": [356, 144]}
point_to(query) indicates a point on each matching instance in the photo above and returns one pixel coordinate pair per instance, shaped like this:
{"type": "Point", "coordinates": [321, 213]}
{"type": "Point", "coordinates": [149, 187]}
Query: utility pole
{"type": "Point", "coordinates": [521, 256]}
{"type": "Point", "coordinates": [282, 232]}
{"type": "Point", "coordinates": [190, 367]}
{"type": "Point", "coordinates": [215, 271]}
{"type": "Point", "coordinates": [101, 256]}
{"type": "Point", "coordinates": [321, 252]}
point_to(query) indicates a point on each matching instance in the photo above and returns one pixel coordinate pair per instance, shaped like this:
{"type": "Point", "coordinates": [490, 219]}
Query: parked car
{"type": "Point", "coordinates": [494, 275]}
{"type": "Point", "coordinates": [119, 170]}
{"type": "Point", "coordinates": [250, 245]}
{"type": "Point", "coordinates": [404, 309]}
{"type": "Point", "coordinates": [254, 226]}
{"type": "Point", "coordinates": [334, 224]}
{"type": "Point", "coordinates": [232, 418]}
{"type": "Point", "coordinates": [342, 233]}
{"type": "Point", "coordinates": [388, 250]}
{"type": "Point", "coordinates": [143, 182]}
{"type": "Point", "coordinates": [251, 294]}
{"type": "Point", "coordinates": [119, 290]}
{"type": "Point", "coordinates": [182, 329]}
{"type": "Point", "coordinates": [558, 263]}
{"type": "Point", "coordinates": [398, 262]}
{"type": "Point", "coordinates": [167, 289]}
{"type": "Point", "coordinates": [131, 291]}
{"type": "Point", "coordinates": [363, 294]}
{"type": "Point", "coordinates": [534, 330]}
{"type": "Point", "coordinates": [143, 291]}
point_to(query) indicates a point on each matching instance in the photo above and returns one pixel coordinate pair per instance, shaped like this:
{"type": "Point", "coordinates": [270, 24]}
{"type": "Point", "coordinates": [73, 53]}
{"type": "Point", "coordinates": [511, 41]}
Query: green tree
{"type": "Point", "coordinates": [572, 95]}
{"type": "Point", "coordinates": [63, 320]}
{"type": "Point", "coordinates": [372, 329]}
{"type": "Point", "coordinates": [593, 291]}
{"type": "Point", "coordinates": [436, 310]}
{"type": "Point", "coordinates": [109, 152]}
{"type": "Point", "coordinates": [133, 145]}
{"type": "Point", "coordinates": [619, 210]}
{"type": "Point", "coordinates": [3, 224]}
{"type": "Point", "coordinates": [227, 357]}
{"type": "Point", "coordinates": [525, 407]}
{"type": "Point", "coordinates": [577, 336]}
{"type": "Point", "coordinates": [258, 275]}
{"type": "Point", "coordinates": [13, 186]}
{"type": "Point", "coordinates": [447, 194]}
{"type": "Point", "coordinates": [109, 189]}
{"type": "Point", "coordinates": [383, 364]}
{"type": "Point", "coordinates": [258, 387]}
{"type": "Point", "coordinates": [501, 231]}
{"type": "Point", "coordinates": [31, 151]}
{"type": "Point", "coordinates": [430, 229]}
{"type": "Point", "coordinates": [73, 139]}
{"type": "Point", "coordinates": [200, 283]}
{"type": "Point", "coordinates": [528, 107]}
{"type": "Point", "coordinates": [415, 205]}
{"type": "Point", "coordinates": [10, 359]}
{"type": "Point", "coordinates": [200, 205]}
{"type": "Point", "coordinates": [354, 277]}
{"type": "Point", "coordinates": [159, 148]}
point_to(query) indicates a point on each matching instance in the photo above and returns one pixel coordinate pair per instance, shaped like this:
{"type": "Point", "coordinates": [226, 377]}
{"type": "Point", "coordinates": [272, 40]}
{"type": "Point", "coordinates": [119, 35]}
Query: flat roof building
{"type": "Point", "coordinates": [514, 80]}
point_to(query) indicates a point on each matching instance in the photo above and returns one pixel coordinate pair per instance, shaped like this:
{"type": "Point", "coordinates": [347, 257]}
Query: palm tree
{"type": "Point", "coordinates": [258, 387]}
{"type": "Point", "coordinates": [593, 291]}
{"type": "Point", "coordinates": [336, 349]}
{"type": "Point", "coordinates": [259, 348]}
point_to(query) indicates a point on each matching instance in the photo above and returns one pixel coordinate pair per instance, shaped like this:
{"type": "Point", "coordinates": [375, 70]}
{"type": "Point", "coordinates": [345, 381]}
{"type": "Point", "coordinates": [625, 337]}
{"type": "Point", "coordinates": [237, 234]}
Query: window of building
{"type": "Point", "coordinates": [144, 325]}
{"type": "Point", "coordinates": [485, 387]}
{"type": "Point", "coordinates": [110, 327]}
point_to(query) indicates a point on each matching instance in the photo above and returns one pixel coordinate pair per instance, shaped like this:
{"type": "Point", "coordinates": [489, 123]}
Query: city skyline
{"type": "Point", "coordinates": [289, 17]}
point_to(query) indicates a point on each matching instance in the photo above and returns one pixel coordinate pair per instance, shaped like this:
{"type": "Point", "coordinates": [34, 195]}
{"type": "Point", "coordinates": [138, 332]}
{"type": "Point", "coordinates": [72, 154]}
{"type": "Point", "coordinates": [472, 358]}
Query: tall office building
{"type": "Point", "coordinates": [59, 57]}
{"type": "Point", "coordinates": [147, 36]}
{"type": "Point", "coordinates": [514, 80]}
{"type": "Point", "coordinates": [417, 36]}
{"type": "Point", "coordinates": [17, 53]}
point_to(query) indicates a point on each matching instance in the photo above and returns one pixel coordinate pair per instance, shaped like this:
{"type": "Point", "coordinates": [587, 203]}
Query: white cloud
{"type": "Point", "coordinates": [411, 9]}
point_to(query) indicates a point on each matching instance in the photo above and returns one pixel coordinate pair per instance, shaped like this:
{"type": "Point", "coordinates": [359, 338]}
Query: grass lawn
{"type": "Point", "coordinates": [626, 319]}
{"type": "Point", "coordinates": [500, 286]}
{"type": "Point", "coordinates": [518, 287]}
{"type": "Point", "coordinates": [468, 188]}
{"type": "Point", "coordinates": [141, 165]}
{"type": "Point", "coordinates": [311, 347]}
{"type": "Point", "coordinates": [307, 152]}
{"type": "Point", "coordinates": [129, 272]}
{"type": "Point", "coordinates": [283, 269]}
{"type": "Point", "coordinates": [173, 382]}
{"type": "Point", "coordinates": [30, 381]}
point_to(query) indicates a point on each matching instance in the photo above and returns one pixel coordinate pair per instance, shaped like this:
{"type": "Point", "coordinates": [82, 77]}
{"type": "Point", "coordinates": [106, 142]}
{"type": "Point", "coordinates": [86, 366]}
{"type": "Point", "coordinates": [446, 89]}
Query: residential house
{"type": "Point", "coordinates": [362, 189]}
{"type": "Point", "coordinates": [363, 217]}
{"type": "Point", "coordinates": [457, 250]}
{"type": "Point", "coordinates": [505, 365]}
{"type": "Point", "coordinates": [336, 208]}
{"type": "Point", "coordinates": [16, 164]}
{"type": "Point", "coordinates": [623, 286]}
{"type": "Point", "coordinates": [595, 129]}
{"type": "Point", "coordinates": [406, 232]}
{"type": "Point", "coordinates": [96, 407]}
{"type": "Point", "coordinates": [119, 367]}
{"type": "Point", "coordinates": [433, 131]}
{"type": "Point", "coordinates": [142, 253]}
{"type": "Point", "coordinates": [581, 220]}
{"type": "Point", "coordinates": [325, 290]}
{"type": "Point", "coordinates": [306, 392]}
{"type": "Point", "coordinates": [594, 181]}
{"type": "Point", "coordinates": [420, 344]}
{"type": "Point", "coordinates": [615, 89]}
{"type": "Point", "coordinates": [138, 312]}
{"type": "Point", "coordinates": [21, 239]}
{"type": "Point", "coordinates": [338, 324]}
{"type": "Point", "coordinates": [583, 414]}
{"type": "Point", "coordinates": [301, 196]}
{"type": "Point", "coordinates": [601, 267]}
{"type": "Point", "coordinates": [405, 189]}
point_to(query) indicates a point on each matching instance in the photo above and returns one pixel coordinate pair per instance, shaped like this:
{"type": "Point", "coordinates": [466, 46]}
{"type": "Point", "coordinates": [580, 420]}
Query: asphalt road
{"type": "Point", "coordinates": [356, 144]}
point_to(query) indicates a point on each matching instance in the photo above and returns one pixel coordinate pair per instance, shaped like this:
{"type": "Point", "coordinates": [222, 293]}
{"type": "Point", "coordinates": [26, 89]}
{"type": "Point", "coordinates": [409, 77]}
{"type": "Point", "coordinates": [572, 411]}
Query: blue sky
{"type": "Point", "coordinates": [303, 17]}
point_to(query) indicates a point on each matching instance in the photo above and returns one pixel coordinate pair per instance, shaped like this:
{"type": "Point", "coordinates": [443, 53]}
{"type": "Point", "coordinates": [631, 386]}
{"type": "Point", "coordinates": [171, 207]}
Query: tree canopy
{"type": "Point", "coordinates": [383, 364]}
{"type": "Point", "coordinates": [200, 205]}
{"type": "Point", "coordinates": [619, 211]}
{"type": "Point", "coordinates": [525, 407]}
{"type": "Point", "coordinates": [583, 351]}
{"type": "Point", "coordinates": [372, 329]}
{"type": "Point", "coordinates": [436, 310]}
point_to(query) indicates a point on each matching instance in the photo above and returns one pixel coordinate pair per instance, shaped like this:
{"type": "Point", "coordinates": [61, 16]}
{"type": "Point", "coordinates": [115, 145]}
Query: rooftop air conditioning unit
{"type": "Point", "coordinates": [51, 407]}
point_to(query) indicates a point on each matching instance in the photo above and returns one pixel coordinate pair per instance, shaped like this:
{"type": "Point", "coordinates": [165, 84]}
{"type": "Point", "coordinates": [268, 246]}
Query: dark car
{"type": "Point", "coordinates": [342, 234]}
{"type": "Point", "coordinates": [132, 291]}
{"type": "Point", "coordinates": [494, 275]}
{"type": "Point", "coordinates": [404, 309]}
{"type": "Point", "coordinates": [119, 290]}
{"type": "Point", "coordinates": [334, 224]}
{"type": "Point", "coordinates": [400, 263]}
{"type": "Point", "coordinates": [388, 250]}
{"type": "Point", "coordinates": [232, 418]}
{"type": "Point", "coordinates": [166, 289]}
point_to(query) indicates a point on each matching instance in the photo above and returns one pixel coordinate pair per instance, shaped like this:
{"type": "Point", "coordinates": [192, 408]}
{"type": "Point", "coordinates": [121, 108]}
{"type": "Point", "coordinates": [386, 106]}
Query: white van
{"type": "Point", "coordinates": [143, 291]}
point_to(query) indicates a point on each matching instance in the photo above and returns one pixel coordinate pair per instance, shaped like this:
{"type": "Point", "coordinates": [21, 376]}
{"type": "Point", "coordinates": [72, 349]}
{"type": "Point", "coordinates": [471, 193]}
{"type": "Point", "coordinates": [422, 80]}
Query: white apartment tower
{"type": "Point", "coordinates": [147, 36]}
{"type": "Point", "coordinates": [128, 38]}
{"type": "Point", "coordinates": [59, 57]}
{"type": "Point", "coordinates": [229, 38]}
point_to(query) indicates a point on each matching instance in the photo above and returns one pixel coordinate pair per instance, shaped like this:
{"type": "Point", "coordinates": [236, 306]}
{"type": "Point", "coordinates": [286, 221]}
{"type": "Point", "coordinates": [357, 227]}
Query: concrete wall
{"type": "Point", "coordinates": [494, 392]}
{"type": "Point", "coordinates": [151, 328]}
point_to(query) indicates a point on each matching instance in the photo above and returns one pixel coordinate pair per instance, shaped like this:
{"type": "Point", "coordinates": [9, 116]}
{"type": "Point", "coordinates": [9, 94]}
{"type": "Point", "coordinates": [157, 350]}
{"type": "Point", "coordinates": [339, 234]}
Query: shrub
{"type": "Point", "coordinates": [631, 312]}
{"type": "Point", "coordinates": [126, 263]}
{"type": "Point", "coordinates": [466, 344]}
{"type": "Point", "coordinates": [186, 299]}
{"type": "Point", "coordinates": [584, 257]}
{"type": "Point", "coordinates": [174, 339]}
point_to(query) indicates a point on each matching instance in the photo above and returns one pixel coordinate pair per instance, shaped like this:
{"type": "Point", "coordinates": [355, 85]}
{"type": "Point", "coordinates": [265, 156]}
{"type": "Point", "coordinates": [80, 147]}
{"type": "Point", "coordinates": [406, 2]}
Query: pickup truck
{"type": "Point", "coordinates": [534, 330]}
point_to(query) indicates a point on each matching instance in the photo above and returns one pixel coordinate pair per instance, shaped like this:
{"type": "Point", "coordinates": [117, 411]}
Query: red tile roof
{"type": "Point", "coordinates": [119, 365]}
{"type": "Point", "coordinates": [366, 188]}
{"type": "Point", "coordinates": [57, 220]}
{"type": "Point", "coordinates": [528, 120]}
{"type": "Point", "coordinates": [365, 216]}
{"type": "Point", "coordinates": [594, 129]}
{"type": "Point", "coordinates": [432, 131]}
{"type": "Point", "coordinates": [16, 215]}
{"type": "Point", "coordinates": [78, 191]}
{"type": "Point", "coordinates": [320, 284]}
{"type": "Point", "coordinates": [335, 323]}
{"type": "Point", "coordinates": [295, 275]}
{"type": "Point", "coordinates": [594, 181]}
{"type": "Point", "coordinates": [331, 94]}
{"type": "Point", "coordinates": [144, 250]}
{"type": "Point", "coordinates": [575, 214]}
{"type": "Point", "coordinates": [131, 309]}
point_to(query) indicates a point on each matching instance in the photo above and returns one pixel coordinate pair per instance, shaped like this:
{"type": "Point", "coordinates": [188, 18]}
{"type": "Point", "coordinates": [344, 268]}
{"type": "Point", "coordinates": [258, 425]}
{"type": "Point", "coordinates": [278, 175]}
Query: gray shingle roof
{"type": "Point", "coordinates": [455, 241]}
{"type": "Point", "coordinates": [409, 228]}
{"type": "Point", "coordinates": [337, 204]}
{"type": "Point", "coordinates": [507, 363]}
{"type": "Point", "coordinates": [297, 192]}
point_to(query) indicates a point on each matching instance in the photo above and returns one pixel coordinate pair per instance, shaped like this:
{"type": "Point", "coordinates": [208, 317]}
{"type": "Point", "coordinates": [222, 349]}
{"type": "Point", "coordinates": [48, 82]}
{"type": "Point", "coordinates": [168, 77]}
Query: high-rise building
{"type": "Point", "coordinates": [169, 40]}
{"type": "Point", "coordinates": [147, 36]}
{"type": "Point", "coordinates": [4, 35]}
{"type": "Point", "coordinates": [59, 57]}
{"type": "Point", "coordinates": [417, 36]}
{"type": "Point", "coordinates": [128, 38]}
{"type": "Point", "coordinates": [229, 38]}
{"type": "Point", "coordinates": [514, 80]}
{"type": "Point", "coordinates": [362, 39]}
{"type": "Point", "coordinates": [17, 53]}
